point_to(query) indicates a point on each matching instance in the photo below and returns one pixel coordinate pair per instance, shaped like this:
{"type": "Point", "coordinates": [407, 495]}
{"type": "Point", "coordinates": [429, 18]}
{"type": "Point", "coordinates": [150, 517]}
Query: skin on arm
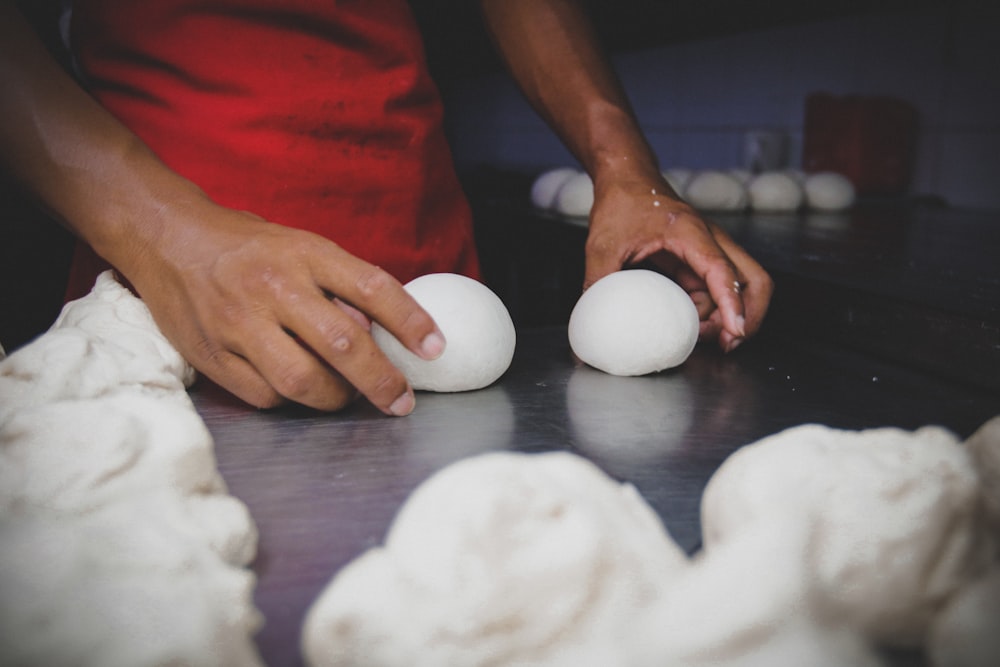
{"type": "Point", "coordinates": [268, 312]}
{"type": "Point", "coordinates": [552, 52]}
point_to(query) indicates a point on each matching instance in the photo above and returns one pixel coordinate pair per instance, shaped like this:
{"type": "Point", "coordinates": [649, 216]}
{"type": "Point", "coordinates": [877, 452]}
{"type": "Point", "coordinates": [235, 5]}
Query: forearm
{"type": "Point", "coordinates": [553, 54]}
{"type": "Point", "coordinates": [81, 163]}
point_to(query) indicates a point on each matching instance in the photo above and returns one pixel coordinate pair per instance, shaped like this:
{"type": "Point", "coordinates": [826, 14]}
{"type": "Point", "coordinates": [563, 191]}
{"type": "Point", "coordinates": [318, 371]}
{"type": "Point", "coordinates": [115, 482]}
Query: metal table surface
{"type": "Point", "coordinates": [324, 487]}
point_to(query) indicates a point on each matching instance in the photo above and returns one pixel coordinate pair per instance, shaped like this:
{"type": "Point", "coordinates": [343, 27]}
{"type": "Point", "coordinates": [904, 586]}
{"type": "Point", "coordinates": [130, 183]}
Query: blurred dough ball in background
{"type": "Point", "coordinates": [576, 196]}
{"type": "Point", "coordinates": [713, 190]}
{"type": "Point", "coordinates": [828, 191]}
{"type": "Point", "coordinates": [546, 186]}
{"type": "Point", "coordinates": [775, 191]}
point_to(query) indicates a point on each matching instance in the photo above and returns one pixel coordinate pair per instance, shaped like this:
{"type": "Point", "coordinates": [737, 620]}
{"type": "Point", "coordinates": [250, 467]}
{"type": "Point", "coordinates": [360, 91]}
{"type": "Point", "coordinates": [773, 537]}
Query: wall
{"type": "Point", "coordinates": [697, 100]}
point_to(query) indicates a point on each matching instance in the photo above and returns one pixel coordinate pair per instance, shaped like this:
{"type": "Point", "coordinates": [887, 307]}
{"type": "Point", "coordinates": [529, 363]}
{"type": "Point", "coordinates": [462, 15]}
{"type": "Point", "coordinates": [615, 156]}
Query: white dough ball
{"type": "Point", "coordinates": [828, 191]}
{"type": "Point", "coordinates": [633, 322]}
{"type": "Point", "coordinates": [775, 191]}
{"type": "Point", "coordinates": [894, 514]}
{"type": "Point", "coordinates": [500, 559]}
{"type": "Point", "coordinates": [476, 326]}
{"type": "Point", "coordinates": [744, 176]}
{"type": "Point", "coordinates": [713, 190]}
{"type": "Point", "coordinates": [677, 178]}
{"type": "Point", "coordinates": [576, 196]}
{"type": "Point", "coordinates": [984, 448]}
{"type": "Point", "coordinates": [546, 186]}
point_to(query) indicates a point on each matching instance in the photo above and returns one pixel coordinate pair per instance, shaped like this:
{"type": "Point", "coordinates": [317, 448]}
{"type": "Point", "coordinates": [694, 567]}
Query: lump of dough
{"type": "Point", "coordinates": [576, 196]}
{"type": "Point", "coordinates": [748, 602]}
{"type": "Point", "coordinates": [546, 186]}
{"type": "Point", "coordinates": [633, 322]}
{"type": "Point", "coordinates": [895, 515]}
{"type": "Point", "coordinates": [967, 632]}
{"type": "Point", "coordinates": [476, 325]}
{"type": "Point", "coordinates": [828, 191]}
{"type": "Point", "coordinates": [713, 190]}
{"type": "Point", "coordinates": [775, 191]}
{"type": "Point", "coordinates": [499, 559]}
{"type": "Point", "coordinates": [984, 448]}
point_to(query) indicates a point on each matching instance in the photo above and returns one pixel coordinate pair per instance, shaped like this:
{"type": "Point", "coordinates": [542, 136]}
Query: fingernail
{"type": "Point", "coordinates": [432, 345]}
{"type": "Point", "coordinates": [741, 326]}
{"type": "Point", "coordinates": [733, 344]}
{"type": "Point", "coordinates": [403, 405]}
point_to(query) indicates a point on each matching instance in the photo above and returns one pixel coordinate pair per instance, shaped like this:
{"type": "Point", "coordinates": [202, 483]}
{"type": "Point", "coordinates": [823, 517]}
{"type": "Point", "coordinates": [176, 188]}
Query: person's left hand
{"type": "Point", "coordinates": [642, 220]}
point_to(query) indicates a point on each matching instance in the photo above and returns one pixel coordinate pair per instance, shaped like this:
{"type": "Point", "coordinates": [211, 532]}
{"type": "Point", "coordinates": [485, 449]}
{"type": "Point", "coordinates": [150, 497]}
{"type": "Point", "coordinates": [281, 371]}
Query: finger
{"type": "Point", "coordinates": [336, 337]}
{"type": "Point", "coordinates": [703, 303]}
{"type": "Point", "coordinates": [291, 369]}
{"type": "Point", "coordinates": [234, 374]}
{"type": "Point", "coordinates": [602, 258]}
{"type": "Point", "coordinates": [707, 259]}
{"type": "Point", "coordinates": [382, 298]}
{"type": "Point", "coordinates": [756, 286]}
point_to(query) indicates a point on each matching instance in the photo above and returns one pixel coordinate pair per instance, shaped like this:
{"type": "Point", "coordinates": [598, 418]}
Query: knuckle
{"type": "Point", "coordinates": [294, 382]}
{"type": "Point", "coordinates": [373, 282]}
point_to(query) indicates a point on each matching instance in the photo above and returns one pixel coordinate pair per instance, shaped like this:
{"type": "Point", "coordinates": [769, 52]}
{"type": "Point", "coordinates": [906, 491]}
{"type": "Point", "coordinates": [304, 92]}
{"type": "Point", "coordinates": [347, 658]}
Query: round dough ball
{"type": "Point", "coordinates": [775, 191]}
{"type": "Point", "coordinates": [632, 323]}
{"type": "Point", "coordinates": [576, 196]}
{"type": "Point", "coordinates": [744, 176]}
{"type": "Point", "coordinates": [828, 191]}
{"type": "Point", "coordinates": [677, 178]}
{"type": "Point", "coordinates": [546, 186]}
{"type": "Point", "coordinates": [966, 633]}
{"type": "Point", "coordinates": [715, 191]}
{"type": "Point", "coordinates": [476, 325]}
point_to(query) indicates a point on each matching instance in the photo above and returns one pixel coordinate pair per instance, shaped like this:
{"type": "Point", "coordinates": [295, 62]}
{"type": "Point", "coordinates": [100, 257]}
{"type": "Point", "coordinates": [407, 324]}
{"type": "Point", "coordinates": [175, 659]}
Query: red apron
{"type": "Point", "coordinates": [315, 115]}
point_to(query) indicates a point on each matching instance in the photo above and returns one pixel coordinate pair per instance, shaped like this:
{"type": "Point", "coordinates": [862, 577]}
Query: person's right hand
{"type": "Point", "coordinates": [273, 313]}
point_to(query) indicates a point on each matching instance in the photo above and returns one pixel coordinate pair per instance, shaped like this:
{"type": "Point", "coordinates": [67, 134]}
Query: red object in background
{"type": "Point", "coordinates": [870, 140]}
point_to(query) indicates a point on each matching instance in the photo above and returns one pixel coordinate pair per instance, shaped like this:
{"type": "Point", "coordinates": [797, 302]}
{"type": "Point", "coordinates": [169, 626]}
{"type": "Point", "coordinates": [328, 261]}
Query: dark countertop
{"type": "Point", "coordinates": [323, 488]}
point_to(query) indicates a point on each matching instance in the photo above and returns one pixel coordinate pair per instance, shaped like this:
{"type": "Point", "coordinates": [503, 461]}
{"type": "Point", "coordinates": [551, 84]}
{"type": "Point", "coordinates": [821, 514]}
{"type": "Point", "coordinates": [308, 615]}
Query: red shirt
{"type": "Point", "coordinates": [315, 115]}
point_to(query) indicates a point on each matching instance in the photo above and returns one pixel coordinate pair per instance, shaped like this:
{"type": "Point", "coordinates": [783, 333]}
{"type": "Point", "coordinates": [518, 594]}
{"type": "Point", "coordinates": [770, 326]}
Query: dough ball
{"type": "Point", "coordinates": [967, 632]}
{"type": "Point", "coordinates": [715, 191]}
{"type": "Point", "coordinates": [499, 559]}
{"type": "Point", "coordinates": [677, 178]}
{"type": "Point", "coordinates": [546, 186]}
{"type": "Point", "coordinates": [828, 191]}
{"type": "Point", "coordinates": [633, 322]}
{"type": "Point", "coordinates": [576, 196]}
{"type": "Point", "coordinates": [476, 325]}
{"type": "Point", "coordinates": [897, 526]}
{"type": "Point", "coordinates": [775, 191]}
{"type": "Point", "coordinates": [744, 176]}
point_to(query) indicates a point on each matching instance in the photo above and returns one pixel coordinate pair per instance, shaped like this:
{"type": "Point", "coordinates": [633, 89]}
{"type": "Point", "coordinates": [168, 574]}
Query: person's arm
{"type": "Point", "coordinates": [553, 54]}
{"type": "Point", "coordinates": [246, 302]}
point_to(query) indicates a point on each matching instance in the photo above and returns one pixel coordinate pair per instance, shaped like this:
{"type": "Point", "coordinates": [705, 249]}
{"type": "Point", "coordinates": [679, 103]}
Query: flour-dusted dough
{"type": "Point", "coordinates": [713, 190]}
{"type": "Point", "coordinates": [748, 602]}
{"type": "Point", "coordinates": [967, 632]}
{"type": "Point", "coordinates": [119, 544]}
{"type": "Point", "coordinates": [499, 559]}
{"type": "Point", "coordinates": [828, 191]}
{"type": "Point", "coordinates": [895, 515]}
{"type": "Point", "coordinates": [775, 191]}
{"type": "Point", "coordinates": [984, 448]}
{"type": "Point", "coordinates": [633, 322]}
{"type": "Point", "coordinates": [476, 325]}
{"type": "Point", "coordinates": [546, 186]}
{"type": "Point", "coordinates": [576, 196]}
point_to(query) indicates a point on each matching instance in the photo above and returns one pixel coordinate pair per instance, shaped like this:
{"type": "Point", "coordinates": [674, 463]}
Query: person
{"type": "Point", "coordinates": [266, 175]}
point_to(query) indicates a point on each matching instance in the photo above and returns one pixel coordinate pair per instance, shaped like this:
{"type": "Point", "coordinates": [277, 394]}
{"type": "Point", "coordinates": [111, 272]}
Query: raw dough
{"type": "Point", "coordinates": [984, 448]}
{"type": "Point", "coordinates": [775, 191]}
{"type": "Point", "coordinates": [748, 602]}
{"type": "Point", "coordinates": [546, 186]}
{"type": "Point", "coordinates": [895, 515]}
{"type": "Point", "coordinates": [713, 190]}
{"type": "Point", "coordinates": [967, 632]}
{"type": "Point", "coordinates": [499, 559]}
{"type": "Point", "coordinates": [119, 544]}
{"type": "Point", "coordinates": [576, 196]}
{"type": "Point", "coordinates": [633, 322]}
{"type": "Point", "coordinates": [476, 325]}
{"type": "Point", "coordinates": [828, 191]}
